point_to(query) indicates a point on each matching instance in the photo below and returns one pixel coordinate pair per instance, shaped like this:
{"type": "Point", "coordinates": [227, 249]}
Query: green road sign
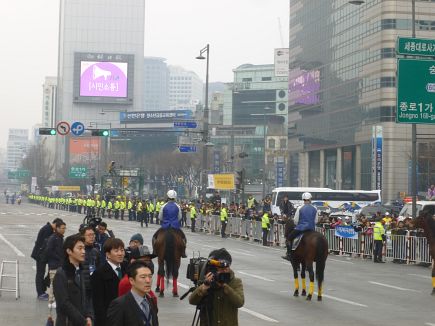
{"type": "Point", "coordinates": [18, 174]}
{"type": "Point", "coordinates": [415, 46]}
{"type": "Point", "coordinates": [415, 91]}
{"type": "Point", "coordinates": [78, 172]}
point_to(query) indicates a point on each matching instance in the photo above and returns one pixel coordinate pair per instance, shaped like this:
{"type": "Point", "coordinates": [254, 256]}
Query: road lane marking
{"type": "Point", "coordinates": [258, 315]}
{"type": "Point", "coordinates": [256, 276]}
{"type": "Point", "coordinates": [340, 261]}
{"type": "Point", "coordinates": [343, 300]}
{"type": "Point", "coordinates": [421, 276]}
{"type": "Point", "coordinates": [430, 324]}
{"type": "Point", "coordinates": [236, 251]}
{"type": "Point", "coordinates": [183, 286]}
{"type": "Point", "coordinates": [393, 287]}
{"type": "Point", "coordinates": [15, 249]}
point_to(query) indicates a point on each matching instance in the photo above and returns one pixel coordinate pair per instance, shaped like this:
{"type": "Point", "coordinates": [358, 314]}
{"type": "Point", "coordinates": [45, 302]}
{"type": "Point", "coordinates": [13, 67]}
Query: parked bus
{"type": "Point", "coordinates": [348, 200]}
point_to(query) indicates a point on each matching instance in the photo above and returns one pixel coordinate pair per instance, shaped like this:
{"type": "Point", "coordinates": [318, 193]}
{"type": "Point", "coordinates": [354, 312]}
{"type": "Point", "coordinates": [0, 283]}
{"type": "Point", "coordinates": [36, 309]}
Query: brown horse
{"type": "Point", "coordinates": [426, 221]}
{"type": "Point", "coordinates": [312, 248]}
{"type": "Point", "coordinates": [168, 247]}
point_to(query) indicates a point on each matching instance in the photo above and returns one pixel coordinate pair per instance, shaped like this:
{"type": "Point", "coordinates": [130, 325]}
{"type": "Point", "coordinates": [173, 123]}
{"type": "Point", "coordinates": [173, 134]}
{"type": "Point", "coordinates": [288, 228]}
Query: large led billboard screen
{"type": "Point", "coordinates": [304, 87]}
{"type": "Point", "coordinates": [103, 78]}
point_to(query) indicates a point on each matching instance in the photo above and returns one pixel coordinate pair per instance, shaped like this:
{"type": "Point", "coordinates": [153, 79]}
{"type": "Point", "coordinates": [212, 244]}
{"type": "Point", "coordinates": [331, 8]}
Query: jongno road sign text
{"type": "Point", "coordinates": [415, 91]}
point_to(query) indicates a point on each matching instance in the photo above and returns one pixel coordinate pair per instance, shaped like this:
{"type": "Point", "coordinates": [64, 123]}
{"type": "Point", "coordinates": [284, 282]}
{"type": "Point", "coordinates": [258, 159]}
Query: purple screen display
{"type": "Point", "coordinates": [304, 88]}
{"type": "Point", "coordinates": [103, 79]}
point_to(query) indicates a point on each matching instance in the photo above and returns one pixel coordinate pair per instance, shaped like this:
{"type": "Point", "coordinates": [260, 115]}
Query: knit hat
{"type": "Point", "coordinates": [137, 237]}
{"type": "Point", "coordinates": [141, 251]}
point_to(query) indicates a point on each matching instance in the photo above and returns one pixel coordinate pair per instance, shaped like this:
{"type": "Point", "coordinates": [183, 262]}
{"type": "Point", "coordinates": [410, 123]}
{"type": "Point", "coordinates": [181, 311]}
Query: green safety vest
{"type": "Point", "coordinates": [265, 221]}
{"type": "Point", "coordinates": [224, 214]}
{"type": "Point", "coordinates": [378, 231]}
{"type": "Point", "coordinates": [103, 204]}
{"type": "Point", "coordinates": [192, 212]}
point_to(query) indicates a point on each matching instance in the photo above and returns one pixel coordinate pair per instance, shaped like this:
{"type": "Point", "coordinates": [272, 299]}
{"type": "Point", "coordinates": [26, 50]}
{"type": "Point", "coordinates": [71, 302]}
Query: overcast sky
{"type": "Point", "coordinates": [238, 31]}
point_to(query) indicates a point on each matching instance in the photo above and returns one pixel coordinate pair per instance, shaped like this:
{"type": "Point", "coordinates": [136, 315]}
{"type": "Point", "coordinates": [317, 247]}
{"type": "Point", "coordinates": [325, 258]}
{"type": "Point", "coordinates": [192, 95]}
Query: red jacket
{"type": "Point", "coordinates": [125, 287]}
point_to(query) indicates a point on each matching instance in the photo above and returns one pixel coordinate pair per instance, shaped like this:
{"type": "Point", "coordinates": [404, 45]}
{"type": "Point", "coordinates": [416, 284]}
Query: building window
{"type": "Point", "coordinates": [266, 78]}
{"type": "Point", "coordinates": [246, 79]}
{"type": "Point", "coordinates": [282, 143]}
{"type": "Point", "coordinates": [388, 53]}
{"type": "Point", "coordinates": [388, 82]}
{"type": "Point", "coordinates": [271, 143]}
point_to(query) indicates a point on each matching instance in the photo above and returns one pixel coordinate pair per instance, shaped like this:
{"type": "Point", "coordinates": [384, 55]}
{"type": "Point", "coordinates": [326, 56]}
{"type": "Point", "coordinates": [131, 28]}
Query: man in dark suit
{"type": "Point", "coordinates": [135, 308]}
{"type": "Point", "coordinates": [37, 254]}
{"type": "Point", "coordinates": [105, 279]}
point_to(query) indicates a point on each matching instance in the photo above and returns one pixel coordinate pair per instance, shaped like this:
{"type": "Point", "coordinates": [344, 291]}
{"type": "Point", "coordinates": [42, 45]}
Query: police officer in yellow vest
{"type": "Point", "coordinates": [192, 217]}
{"type": "Point", "coordinates": [224, 220]}
{"type": "Point", "coordinates": [251, 202]}
{"type": "Point", "coordinates": [116, 207]}
{"type": "Point", "coordinates": [265, 226]}
{"type": "Point", "coordinates": [130, 210]}
{"type": "Point", "coordinates": [379, 238]}
{"type": "Point", "coordinates": [150, 210]}
{"type": "Point", "coordinates": [103, 207]}
{"type": "Point", "coordinates": [122, 207]}
{"type": "Point", "coordinates": [109, 208]}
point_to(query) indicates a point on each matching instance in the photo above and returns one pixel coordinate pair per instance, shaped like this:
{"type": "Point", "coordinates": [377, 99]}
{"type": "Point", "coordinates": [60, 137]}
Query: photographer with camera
{"type": "Point", "coordinates": [220, 294]}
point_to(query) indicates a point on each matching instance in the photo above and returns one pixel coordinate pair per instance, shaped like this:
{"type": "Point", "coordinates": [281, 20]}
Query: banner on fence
{"type": "Point", "coordinates": [346, 232]}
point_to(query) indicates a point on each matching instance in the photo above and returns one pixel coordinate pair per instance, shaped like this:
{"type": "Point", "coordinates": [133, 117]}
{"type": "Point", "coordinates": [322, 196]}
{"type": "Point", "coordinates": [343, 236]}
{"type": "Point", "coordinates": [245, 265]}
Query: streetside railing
{"type": "Point", "coordinates": [404, 248]}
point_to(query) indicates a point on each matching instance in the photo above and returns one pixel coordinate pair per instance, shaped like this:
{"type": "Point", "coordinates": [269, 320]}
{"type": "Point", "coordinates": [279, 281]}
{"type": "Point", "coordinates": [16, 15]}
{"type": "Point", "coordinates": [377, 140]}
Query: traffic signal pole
{"type": "Point", "coordinates": [414, 141]}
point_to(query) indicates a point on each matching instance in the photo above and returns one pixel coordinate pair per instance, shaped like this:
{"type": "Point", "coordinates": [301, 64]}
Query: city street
{"type": "Point", "coordinates": [356, 291]}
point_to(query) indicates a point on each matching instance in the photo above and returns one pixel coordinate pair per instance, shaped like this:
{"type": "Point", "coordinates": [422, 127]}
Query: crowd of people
{"type": "Point", "coordinates": [94, 280]}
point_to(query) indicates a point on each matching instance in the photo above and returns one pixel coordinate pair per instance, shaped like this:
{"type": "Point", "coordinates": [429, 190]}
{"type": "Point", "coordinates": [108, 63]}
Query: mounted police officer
{"type": "Point", "coordinates": [170, 217]}
{"type": "Point", "coordinates": [305, 218]}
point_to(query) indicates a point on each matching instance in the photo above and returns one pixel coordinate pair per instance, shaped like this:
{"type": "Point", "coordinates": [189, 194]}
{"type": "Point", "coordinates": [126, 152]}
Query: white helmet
{"type": "Point", "coordinates": [172, 194]}
{"type": "Point", "coordinates": [306, 196]}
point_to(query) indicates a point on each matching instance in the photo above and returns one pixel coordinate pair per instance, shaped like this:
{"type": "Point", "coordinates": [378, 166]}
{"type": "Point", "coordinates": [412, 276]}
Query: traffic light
{"type": "Point", "coordinates": [239, 175]}
{"type": "Point", "coordinates": [47, 131]}
{"type": "Point", "coordinates": [101, 132]}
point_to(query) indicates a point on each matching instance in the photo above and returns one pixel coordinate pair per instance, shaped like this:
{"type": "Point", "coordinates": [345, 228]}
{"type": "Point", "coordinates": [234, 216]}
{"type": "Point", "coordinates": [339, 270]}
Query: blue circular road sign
{"type": "Point", "coordinates": [77, 128]}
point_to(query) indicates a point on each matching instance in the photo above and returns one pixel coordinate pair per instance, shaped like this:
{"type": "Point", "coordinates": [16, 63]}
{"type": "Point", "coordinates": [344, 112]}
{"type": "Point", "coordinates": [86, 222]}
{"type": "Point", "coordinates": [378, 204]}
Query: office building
{"type": "Point", "coordinates": [185, 89]}
{"type": "Point", "coordinates": [342, 95]}
{"type": "Point", "coordinates": [100, 69]}
{"type": "Point", "coordinates": [156, 84]}
{"type": "Point", "coordinates": [17, 146]}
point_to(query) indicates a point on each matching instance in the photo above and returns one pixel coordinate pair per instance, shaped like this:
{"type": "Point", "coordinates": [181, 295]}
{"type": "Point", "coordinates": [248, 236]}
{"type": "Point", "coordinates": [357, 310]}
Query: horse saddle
{"type": "Point", "coordinates": [297, 241]}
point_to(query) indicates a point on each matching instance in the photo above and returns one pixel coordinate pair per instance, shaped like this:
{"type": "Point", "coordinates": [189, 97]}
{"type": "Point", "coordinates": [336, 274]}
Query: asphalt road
{"type": "Point", "coordinates": [356, 291]}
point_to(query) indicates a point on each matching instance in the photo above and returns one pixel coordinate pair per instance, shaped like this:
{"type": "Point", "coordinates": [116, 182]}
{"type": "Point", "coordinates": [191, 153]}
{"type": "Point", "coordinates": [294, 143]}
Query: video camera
{"type": "Point", "coordinates": [90, 220]}
{"type": "Point", "coordinates": [200, 266]}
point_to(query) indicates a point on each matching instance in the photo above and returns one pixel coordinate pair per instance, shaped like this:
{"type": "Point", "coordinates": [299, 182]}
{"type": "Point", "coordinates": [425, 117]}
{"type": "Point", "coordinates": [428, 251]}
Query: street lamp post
{"type": "Point", "coordinates": [206, 50]}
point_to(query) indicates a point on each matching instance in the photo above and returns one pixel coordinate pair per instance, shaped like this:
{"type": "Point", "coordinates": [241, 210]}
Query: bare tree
{"type": "Point", "coordinates": [40, 163]}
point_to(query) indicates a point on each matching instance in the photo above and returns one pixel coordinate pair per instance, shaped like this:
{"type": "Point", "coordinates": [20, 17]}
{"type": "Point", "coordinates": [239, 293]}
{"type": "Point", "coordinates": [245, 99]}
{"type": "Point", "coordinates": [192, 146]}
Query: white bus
{"type": "Point", "coordinates": [348, 200]}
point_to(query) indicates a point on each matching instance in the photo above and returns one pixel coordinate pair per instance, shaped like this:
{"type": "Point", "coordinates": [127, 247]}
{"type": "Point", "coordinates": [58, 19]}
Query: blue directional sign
{"type": "Point", "coordinates": [187, 149]}
{"type": "Point", "coordinates": [77, 128]}
{"type": "Point", "coordinates": [185, 124]}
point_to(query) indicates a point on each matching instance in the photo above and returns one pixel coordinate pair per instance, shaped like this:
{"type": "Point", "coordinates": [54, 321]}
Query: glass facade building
{"type": "Point", "coordinates": [342, 94]}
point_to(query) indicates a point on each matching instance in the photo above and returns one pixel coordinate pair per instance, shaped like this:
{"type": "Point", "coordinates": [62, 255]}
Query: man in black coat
{"type": "Point", "coordinates": [74, 303]}
{"type": "Point", "coordinates": [105, 280]}
{"type": "Point", "coordinates": [40, 245]}
{"type": "Point", "coordinates": [55, 256]}
{"type": "Point", "coordinates": [135, 308]}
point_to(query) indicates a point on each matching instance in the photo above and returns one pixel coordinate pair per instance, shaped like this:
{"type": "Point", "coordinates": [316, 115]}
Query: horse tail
{"type": "Point", "coordinates": [169, 253]}
{"type": "Point", "coordinates": [321, 253]}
